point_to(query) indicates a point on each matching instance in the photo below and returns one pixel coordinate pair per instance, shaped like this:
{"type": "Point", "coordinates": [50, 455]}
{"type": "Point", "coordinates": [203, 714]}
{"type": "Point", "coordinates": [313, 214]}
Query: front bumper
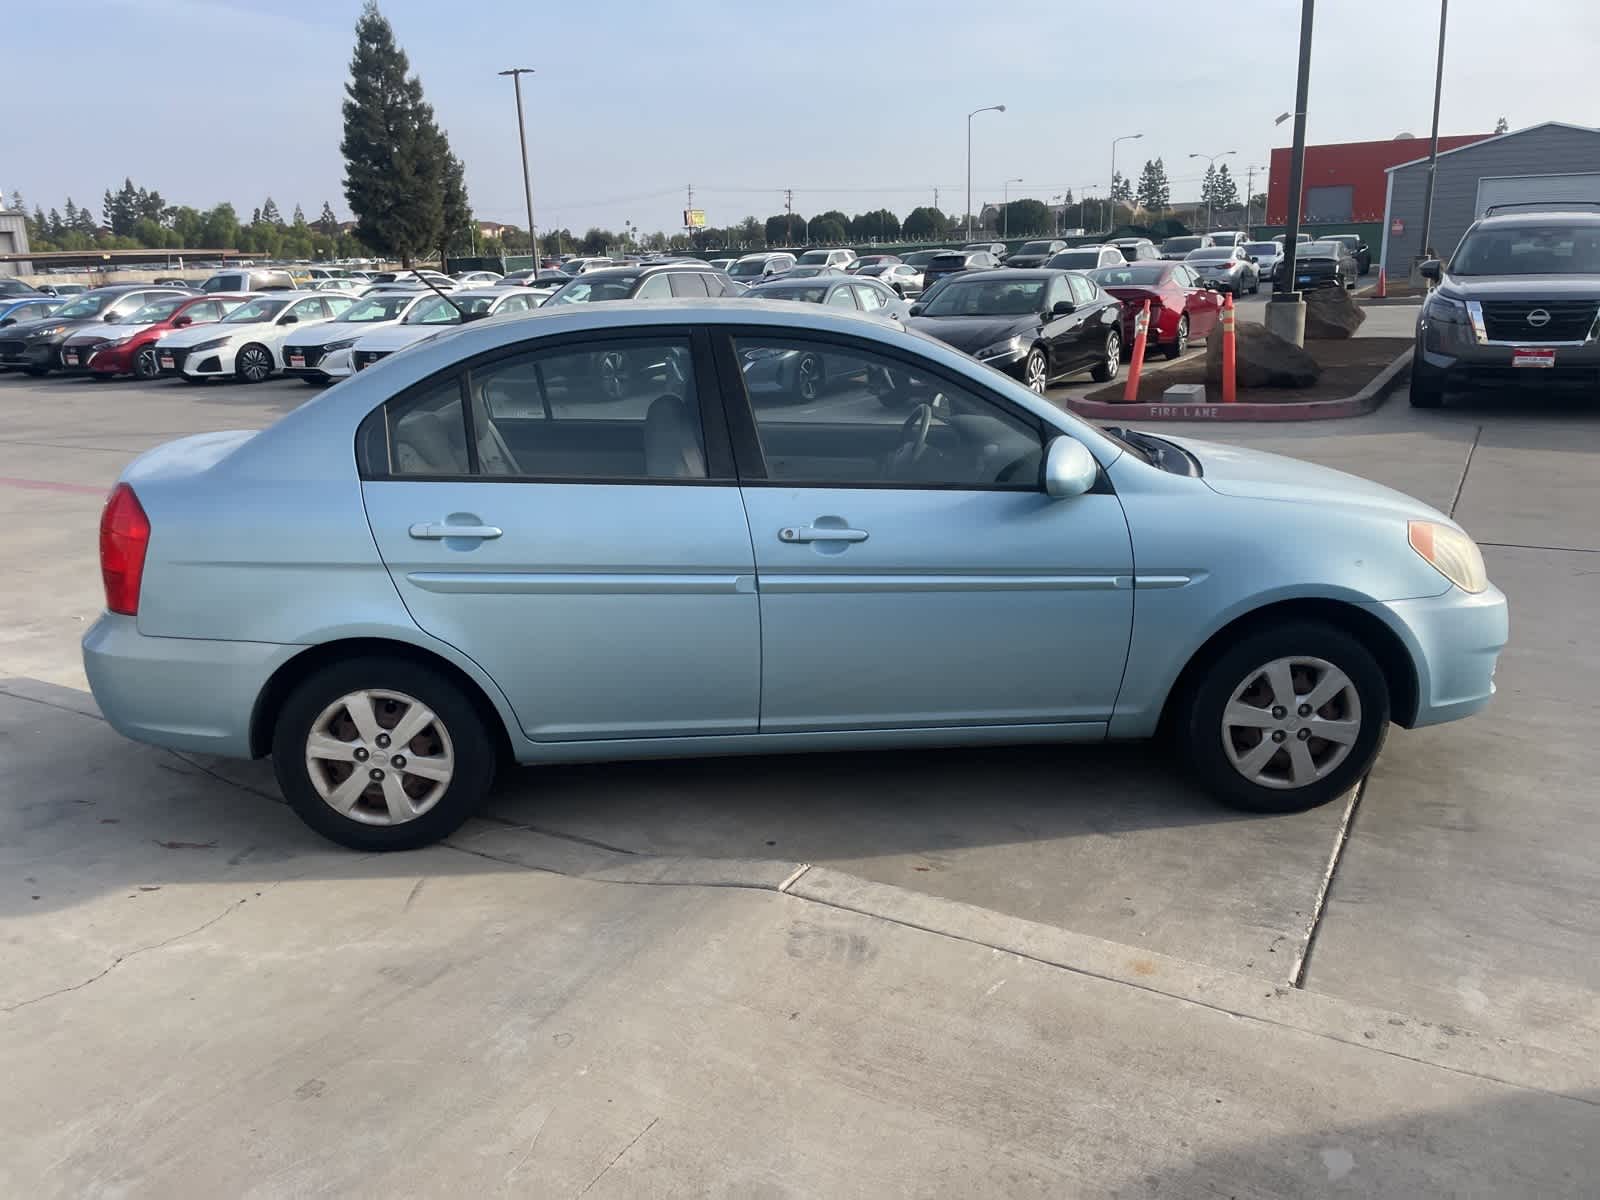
{"type": "Point", "coordinates": [1455, 640]}
{"type": "Point", "coordinates": [183, 693]}
{"type": "Point", "coordinates": [1450, 356]}
{"type": "Point", "coordinates": [319, 365]}
{"type": "Point", "coordinates": [196, 364]}
{"type": "Point", "coordinates": [25, 355]}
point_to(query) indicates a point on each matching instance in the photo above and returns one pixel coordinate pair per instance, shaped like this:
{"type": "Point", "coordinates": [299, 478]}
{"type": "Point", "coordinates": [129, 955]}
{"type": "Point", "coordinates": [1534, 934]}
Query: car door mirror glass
{"type": "Point", "coordinates": [1069, 469]}
{"type": "Point", "coordinates": [291, 319]}
{"type": "Point", "coordinates": [916, 311]}
{"type": "Point", "coordinates": [1061, 308]}
{"type": "Point", "coordinates": [182, 322]}
{"type": "Point", "coordinates": [1431, 269]}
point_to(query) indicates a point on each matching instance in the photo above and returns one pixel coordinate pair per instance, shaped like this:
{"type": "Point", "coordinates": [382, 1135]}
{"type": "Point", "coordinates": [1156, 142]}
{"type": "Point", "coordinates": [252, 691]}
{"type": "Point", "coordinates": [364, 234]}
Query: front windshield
{"type": "Point", "coordinates": [813, 295]}
{"type": "Point", "coordinates": [592, 291]}
{"type": "Point", "coordinates": [1035, 248]}
{"type": "Point", "coordinates": [811, 257]}
{"type": "Point", "coordinates": [385, 306]}
{"type": "Point", "coordinates": [1211, 254]}
{"type": "Point", "coordinates": [1075, 258]}
{"type": "Point", "coordinates": [1173, 245]}
{"type": "Point", "coordinates": [574, 267]}
{"type": "Point", "coordinates": [256, 310]}
{"type": "Point", "coordinates": [747, 267]}
{"type": "Point", "coordinates": [83, 306]}
{"type": "Point", "coordinates": [157, 310]}
{"type": "Point", "coordinates": [1140, 276]}
{"type": "Point", "coordinates": [920, 258]}
{"type": "Point", "coordinates": [987, 298]}
{"type": "Point", "coordinates": [437, 311]}
{"type": "Point", "coordinates": [1261, 248]}
{"type": "Point", "coordinates": [1530, 249]}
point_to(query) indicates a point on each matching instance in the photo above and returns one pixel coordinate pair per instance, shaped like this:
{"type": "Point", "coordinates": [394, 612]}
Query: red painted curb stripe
{"type": "Point", "coordinates": [45, 485]}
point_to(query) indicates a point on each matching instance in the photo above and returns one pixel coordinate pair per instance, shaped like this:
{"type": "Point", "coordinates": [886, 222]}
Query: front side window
{"type": "Point", "coordinates": [840, 298]}
{"type": "Point", "coordinates": [307, 310]}
{"type": "Point", "coordinates": [838, 416]}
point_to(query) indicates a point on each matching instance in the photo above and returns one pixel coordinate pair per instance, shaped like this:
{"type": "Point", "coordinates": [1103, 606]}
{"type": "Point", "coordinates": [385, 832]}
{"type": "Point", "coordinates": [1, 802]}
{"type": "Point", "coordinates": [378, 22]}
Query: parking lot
{"type": "Point", "coordinates": [866, 974]}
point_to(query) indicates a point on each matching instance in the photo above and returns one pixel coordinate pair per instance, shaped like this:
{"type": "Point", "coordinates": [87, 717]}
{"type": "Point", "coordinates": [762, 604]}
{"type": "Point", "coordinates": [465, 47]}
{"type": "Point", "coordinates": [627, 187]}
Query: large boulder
{"type": "Point", "coordinates": [1332, 313]}
{"type": "Point", "coordinates": [1262, 359]}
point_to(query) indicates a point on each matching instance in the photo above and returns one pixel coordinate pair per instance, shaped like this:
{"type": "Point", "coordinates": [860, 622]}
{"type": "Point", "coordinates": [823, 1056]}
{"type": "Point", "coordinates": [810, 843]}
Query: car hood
{"type": "Point", "coordinates": [106, 333]}
{"type": "Point", "coordinates": [23, 329]}
{"type": "Point", "coordinates": [324, 332]}
{"type": "Point", "coordinates": [974, 333]}
{"type": "Point", "coordinates": [1521, 287]}
{"type": "Point", "coordinates": [1257, 475]}
{"type": "Point", "coordinates": [398, 337]}
{"type": "Point", "coordinates": [191, 335]}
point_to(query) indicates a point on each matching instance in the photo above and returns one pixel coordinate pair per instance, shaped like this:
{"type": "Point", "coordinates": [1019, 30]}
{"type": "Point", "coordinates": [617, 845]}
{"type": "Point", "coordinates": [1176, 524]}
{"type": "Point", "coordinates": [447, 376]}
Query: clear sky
{"type": "Point", "coordinates": [852, 103]}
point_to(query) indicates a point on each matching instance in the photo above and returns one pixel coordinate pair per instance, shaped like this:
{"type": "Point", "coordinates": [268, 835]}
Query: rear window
{"type": "Point", "coordinates": [1132, 276]}
{"type": "Point", "coordinates": [948, 260]}
{"type": "Point", "coordinates": [1259, 248]}
{"type": "Point", "coordinates": [1173, 245]}
{"type": "Point", "coordinates": [1035, 248]}
{"type": "Point", "coordinates": [1211, 254]}
{"type": "Point", "coordinates": [1075, 259]}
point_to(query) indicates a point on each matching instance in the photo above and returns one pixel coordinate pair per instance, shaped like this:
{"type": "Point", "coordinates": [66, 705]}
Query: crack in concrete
{"type": "Point", "coordinates": [1461, 483]}
{"type": "Point", "coordinates": [1302, 962]}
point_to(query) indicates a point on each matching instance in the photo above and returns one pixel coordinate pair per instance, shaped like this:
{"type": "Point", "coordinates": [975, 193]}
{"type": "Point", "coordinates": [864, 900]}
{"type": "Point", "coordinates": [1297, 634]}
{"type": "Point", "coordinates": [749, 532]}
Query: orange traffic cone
{"type": "Point", "coordinates": [1383, 284]}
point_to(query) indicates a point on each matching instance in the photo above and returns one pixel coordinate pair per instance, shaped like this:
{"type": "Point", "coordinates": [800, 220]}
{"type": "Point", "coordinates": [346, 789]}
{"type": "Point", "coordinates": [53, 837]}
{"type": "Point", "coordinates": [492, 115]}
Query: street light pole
{"type": "Point", "coordinates": [1249, 189]}
{"type": "Point", "coordinates": [516, 74]}
{"type": "Point", "coordinates": [1005, 206]}
{"type": "Point", "coordinates": [970, 115]}
{"type": "Point", "coordinates": [1433, 145]}
{"type": "Point", "coordinates": [1286, 311]}
{"type": "Point", "coordinates": [1212, 159]}
{"type": "Point", "coordinates": [1127, 137]}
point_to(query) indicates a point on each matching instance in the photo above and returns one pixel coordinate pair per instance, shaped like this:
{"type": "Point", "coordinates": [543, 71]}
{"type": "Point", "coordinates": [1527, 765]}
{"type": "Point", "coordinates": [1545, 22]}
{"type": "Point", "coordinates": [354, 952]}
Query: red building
{"type": "Point", "coordinates": [1345, 181]}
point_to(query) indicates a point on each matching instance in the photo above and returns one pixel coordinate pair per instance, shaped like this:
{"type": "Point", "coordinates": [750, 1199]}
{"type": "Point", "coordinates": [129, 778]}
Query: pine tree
{"type": "Point", "coordinates": [299, 217]}
{"type": "Point", "coordinates": [1502, 125]}
{"type": "Point", "coordinates": [41, 223]}
{"type": "Point", "coordinates": [1227, 188]}
{"type": "Point", "coordinates": [270, 213]}
{"type": "Point", "coordinates": [255, 216]}
{"type": "Point", "coordinates": [85, 223]}
{"type": "Point", "coordinates": [17, 203]}
{"type": "Point", "coordinates": [394, 173]}
{"type": "Point", "coordinates": [1121, 188]}
{"type": "Point", "coordinates": [1145, 194]}
{"type": "Point", "coordinates": [1162, 193]}
{"type": "Point", "coordinates": [456, 209]}
{"type": "Point", "coordinates": [328, 223]}
{"type": "Point", "coordinates": [56, 225]}
{"type": "Point", "coordinates": [69, 215]}
{"type": "Point", "coordinates": [1208, 186]}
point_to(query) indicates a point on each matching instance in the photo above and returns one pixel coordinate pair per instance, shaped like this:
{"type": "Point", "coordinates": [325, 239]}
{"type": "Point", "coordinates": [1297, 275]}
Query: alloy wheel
{"type": "Point", "coordinates": [1113, 353]}
{"type": "Point", "coordinates": [1036, 373]}
{"type": "Point", "coordinates": [1183, 333]}
{"type": "Point", "coordinates": [809, 377]}
{"type": "Point", "coordinates": [1291, 722]}
{"type": "Point", "coordinates": [379, 757]}
{"type": "Point", "coordinates": [255, 364]}
{"type": "Point", "coordinates": [145, 365]}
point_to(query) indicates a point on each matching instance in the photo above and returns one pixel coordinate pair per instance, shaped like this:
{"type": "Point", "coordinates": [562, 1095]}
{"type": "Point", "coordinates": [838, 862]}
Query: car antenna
{"type": "Point", "coordinates": [443, 296]}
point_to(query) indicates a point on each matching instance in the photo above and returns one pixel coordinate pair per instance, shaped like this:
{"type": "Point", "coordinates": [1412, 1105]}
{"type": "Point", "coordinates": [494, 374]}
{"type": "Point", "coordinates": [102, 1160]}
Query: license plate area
{"type": "Point", "coordinates": [1532, 357]}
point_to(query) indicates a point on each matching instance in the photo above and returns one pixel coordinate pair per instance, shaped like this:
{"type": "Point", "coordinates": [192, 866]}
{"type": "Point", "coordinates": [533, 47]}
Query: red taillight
{"type": "Point", "coordinates": [124, 537]}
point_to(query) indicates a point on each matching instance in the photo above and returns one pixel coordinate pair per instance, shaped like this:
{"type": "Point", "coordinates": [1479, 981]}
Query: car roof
{"type": "Point", "coordinates": [1091, 246]}
{"type": "Point", "coordinates": [1554, 216]}
{"type": "Point", "coordinates": [494, 293]}
{"type": "Point", "coordinates": [1016, 273]}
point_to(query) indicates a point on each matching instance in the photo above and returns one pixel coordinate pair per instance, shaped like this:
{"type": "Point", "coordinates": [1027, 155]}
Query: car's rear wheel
{"type": "Point", "coordinates": [254, 363]}
{"type": "Point", "coordinates": [1286, 718]}
{"type": "Point", "coordinates": [1110, 362]}
{"type": "Point", "coordinates": [145, 365]}
{"type": "Point", "coordinates": [810, 377]}
{"type": "Point", "coordinates": [382, 754]}
{"type": "Point", "coordinates": [1175, 349]}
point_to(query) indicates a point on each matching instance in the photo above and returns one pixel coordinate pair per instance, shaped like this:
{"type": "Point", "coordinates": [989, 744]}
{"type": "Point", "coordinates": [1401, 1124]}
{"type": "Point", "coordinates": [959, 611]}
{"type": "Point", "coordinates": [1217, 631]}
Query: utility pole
{"type": "Point", "coordinates": [1286, 311]}
{"type": "Point", "coordinates": [970, 115]}
{"type": "Point", "coordinates": [516, 74]}
{"type": "Point", "coordinates": [788, 220]}
{"type": "Point", "coordinates": [1433, 145]}
{"type": "Point", "coordinates": [1249, 191]}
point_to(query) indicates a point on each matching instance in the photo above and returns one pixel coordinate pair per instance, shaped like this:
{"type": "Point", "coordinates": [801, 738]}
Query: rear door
{"type": "Point", "coordinates": [565, 513]}
{"type": "Point", "coordinates": [912, 573]}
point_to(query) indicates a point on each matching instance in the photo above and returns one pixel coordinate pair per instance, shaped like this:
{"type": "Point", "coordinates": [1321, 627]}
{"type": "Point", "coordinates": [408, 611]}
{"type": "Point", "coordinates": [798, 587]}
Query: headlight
{"type": "Point", "coordinates": [1452, 553]}
{"type": "Point", "coordinates": [122, 341]}
{"type": "Point", "coordinates": [1444, 311]}
{"type": "Point", "coordinates": [211, 345]}
{"type": "Point", "coordinates": [341, 345]}
{"type": "Point", "coordinates": [48, 331]}
{"type": "Point", "coordinates": [1012, 345]}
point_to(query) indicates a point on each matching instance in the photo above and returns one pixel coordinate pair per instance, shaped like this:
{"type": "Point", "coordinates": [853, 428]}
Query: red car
{"type": "Point", "coordinates": [1180, 308]}
{"type": "Point", "coordinates": [128, 347]}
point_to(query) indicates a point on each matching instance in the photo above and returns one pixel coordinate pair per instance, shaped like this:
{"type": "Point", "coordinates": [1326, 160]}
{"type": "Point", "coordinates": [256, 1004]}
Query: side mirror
{"type": "Point", "coordinates": [1062, 307]}
{"type": "Point", "coordinates": [1069, 469]}
{"type": "Point", "coordinates": [916, 310]}
{"type": "Point", "coordinates": [1252, 258]}
{"type": "Point", "coordinates": [291, 319]}
{"type": "Point", "coordinates": [182, 322]}
{"type": "Point", "coordinates": [1431, 269]}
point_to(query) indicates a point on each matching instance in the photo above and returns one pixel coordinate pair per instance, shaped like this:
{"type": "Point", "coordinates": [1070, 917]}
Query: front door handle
{"type": "Point", "coordinates": [822, 533]}
{"type": "Point", "coordinates": [434, 531]}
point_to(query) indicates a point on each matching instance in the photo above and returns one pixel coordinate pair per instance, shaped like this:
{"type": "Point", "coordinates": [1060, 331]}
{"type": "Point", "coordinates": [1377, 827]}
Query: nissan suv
{"type": "Point", "coordinates": [1518, 304]}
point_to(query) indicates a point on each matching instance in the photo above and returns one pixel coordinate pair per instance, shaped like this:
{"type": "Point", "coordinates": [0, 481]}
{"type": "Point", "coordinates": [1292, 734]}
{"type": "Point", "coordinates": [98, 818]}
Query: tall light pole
{"type": "Point", "coordinates": [970, 115]}
{"type": "Point", "coordinates": [1127, 137]}
{"type": "Point", "coordinates": [1005, 206]}
{"type": "Point", "coordinates": [1286, 311]}
{"type": "Point", "coordinates": [516, 74]}
{"type": "Point", "coordinates": [1249, 190]}
{"type": "Point", "coordinates": [1056, 227]}
{"type": "Point", "coordinates": [1212, 160]}
{"type": "Point", "coordinates": [1433, 144]}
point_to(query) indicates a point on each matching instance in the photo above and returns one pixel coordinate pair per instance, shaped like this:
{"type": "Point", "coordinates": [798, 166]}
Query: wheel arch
{"type": "Point", "coordinates": [289, 675]}
{"type": "Point", "coordinates": [1394, 657]}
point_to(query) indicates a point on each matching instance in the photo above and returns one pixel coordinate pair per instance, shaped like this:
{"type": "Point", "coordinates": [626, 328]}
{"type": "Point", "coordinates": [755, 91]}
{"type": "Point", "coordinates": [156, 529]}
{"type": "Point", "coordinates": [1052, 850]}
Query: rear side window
{"type": "Point", "coordinates": [424, 433]}
{"type": "Point", "coordinates": [688, 285]}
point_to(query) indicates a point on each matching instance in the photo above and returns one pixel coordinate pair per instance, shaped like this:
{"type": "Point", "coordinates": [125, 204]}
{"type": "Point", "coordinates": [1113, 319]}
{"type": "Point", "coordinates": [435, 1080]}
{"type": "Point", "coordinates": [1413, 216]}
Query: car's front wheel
{"type": "Point", "coordinates": [254, 363]}
{"type": "Point", "coordinates": [1110, 362]}
{"type": "Point", "coordinates": [382, 754]}
{"type": "Point", "coordinates": [144, 364]}
{"type": "Point", "coordinates": [1286, 718]}
{"type": "Point", "coordinates": [1036, 371]}
{"type": "Point", "coordinates": [1426, 391]}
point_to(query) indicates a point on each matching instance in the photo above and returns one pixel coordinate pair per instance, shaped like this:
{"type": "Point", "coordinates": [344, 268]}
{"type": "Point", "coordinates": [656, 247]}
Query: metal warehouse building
{"type": "Point", "coordinates": [1553, 161]}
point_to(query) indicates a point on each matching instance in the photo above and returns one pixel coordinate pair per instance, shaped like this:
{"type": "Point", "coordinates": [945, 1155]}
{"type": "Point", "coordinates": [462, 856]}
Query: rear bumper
{"type": "Point", "coordinates": [1455, 640]}
{"type": "Point", "coordinates": [182, 693]}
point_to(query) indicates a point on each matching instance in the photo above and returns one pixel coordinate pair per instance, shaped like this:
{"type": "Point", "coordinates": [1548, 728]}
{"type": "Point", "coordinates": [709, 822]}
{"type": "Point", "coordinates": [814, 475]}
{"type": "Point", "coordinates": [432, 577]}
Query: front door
{"type": "Point", "coordinates": [579, 543]}
{"type": "Point", "coordinates": [912, 572]}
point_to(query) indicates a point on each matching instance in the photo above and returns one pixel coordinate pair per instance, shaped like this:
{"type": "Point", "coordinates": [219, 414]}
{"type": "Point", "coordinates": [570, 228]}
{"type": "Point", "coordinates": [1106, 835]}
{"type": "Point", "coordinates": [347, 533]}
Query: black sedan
{"type": "Point", "coordinates": [1324, 264]}
{"type": "Point", "coordinates": [1037, 325]}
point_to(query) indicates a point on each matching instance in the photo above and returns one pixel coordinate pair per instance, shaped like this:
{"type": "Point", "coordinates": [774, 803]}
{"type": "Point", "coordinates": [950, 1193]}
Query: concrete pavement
{"type": "Point", "coordinates": [1019, 973]}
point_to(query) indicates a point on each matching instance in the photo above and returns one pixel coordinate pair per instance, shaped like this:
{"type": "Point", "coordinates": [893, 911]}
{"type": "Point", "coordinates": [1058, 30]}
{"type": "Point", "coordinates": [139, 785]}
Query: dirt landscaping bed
{"type": "Point", "coordinates": [1347, 367]}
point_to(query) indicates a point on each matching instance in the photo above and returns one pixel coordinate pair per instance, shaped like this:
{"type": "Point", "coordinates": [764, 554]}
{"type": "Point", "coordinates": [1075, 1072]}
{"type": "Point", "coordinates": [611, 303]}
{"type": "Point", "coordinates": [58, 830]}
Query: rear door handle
{"type": "Point", "coordinates": [426, 531]}
{"type": "Point", "coordinates": [814, 533]}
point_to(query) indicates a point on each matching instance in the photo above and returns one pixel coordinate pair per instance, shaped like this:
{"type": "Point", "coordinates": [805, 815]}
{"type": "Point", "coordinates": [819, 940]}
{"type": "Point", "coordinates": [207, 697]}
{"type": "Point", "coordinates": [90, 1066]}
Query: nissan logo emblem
{"type": "Point", "coordinates": [1538, 318]}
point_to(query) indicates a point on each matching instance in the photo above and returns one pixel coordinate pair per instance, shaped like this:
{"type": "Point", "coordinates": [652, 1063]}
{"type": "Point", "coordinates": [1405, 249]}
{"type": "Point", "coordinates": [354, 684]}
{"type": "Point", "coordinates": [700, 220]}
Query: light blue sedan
{"type": "Point", "coordinates": [729, 527]}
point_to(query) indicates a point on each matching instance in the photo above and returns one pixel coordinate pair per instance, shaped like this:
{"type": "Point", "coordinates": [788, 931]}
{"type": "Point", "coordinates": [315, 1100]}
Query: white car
{"type": "Point", "coordinates": [321, 354]}
{"type": "Point", "coordinates": [350, 287]}
{"type": "Point", "coordinates": [437, 314]}
{"type": "Point", "coordinates": [246, 344]}
{"type": "Point", "coordinates": [827, 258]}
{"type": "Point", "coordinates": [477, 278]}
{"type": "Point", "coordinates": [577, 266]}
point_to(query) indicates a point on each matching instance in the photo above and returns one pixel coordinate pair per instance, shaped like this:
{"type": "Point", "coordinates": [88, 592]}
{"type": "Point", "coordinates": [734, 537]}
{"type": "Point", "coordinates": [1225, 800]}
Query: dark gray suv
{"type": "Point", "coordinates": [1517, 305]}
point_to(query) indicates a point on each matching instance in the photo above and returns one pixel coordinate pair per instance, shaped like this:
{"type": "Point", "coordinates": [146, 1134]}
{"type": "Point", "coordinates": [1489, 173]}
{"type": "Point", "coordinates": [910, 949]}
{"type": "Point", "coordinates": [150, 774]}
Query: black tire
{"type": "Point", "coordinates": [1255, 286]}
{"type": "Point", "coordinates": [1199, 726]}
{"type": "Point", "coordinates": [247, 364]}
{"type": "Point", "coordinates": [1425, 391]}
{"type": "Point", "coordinates": [145, 366]}
{"type": "Point", "coordinates": [470, 741]}
{"type": "Point", "coordinates": [810, 377]}
{"type": "Point", "coordinates": [1036, 371]}
{"type": "Point", "coordinates": [36, 372]}
{"type": "Point", "coordinates": [1110, 363]}
{"type": "Point", "coordinates": [1176, 349]}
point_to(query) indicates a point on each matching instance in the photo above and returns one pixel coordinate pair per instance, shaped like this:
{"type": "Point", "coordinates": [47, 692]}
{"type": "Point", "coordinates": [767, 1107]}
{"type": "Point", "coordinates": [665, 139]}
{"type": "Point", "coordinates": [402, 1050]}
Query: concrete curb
{"type": "Point", "coordinates": [1559, 1071]}
{"type": "Point", "coordinates": [1358, 405]}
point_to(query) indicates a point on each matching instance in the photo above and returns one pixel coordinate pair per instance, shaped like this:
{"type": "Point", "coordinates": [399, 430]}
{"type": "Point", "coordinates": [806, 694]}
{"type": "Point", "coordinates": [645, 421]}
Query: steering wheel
{"type": "Point", "coordinates": [913, 442]}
